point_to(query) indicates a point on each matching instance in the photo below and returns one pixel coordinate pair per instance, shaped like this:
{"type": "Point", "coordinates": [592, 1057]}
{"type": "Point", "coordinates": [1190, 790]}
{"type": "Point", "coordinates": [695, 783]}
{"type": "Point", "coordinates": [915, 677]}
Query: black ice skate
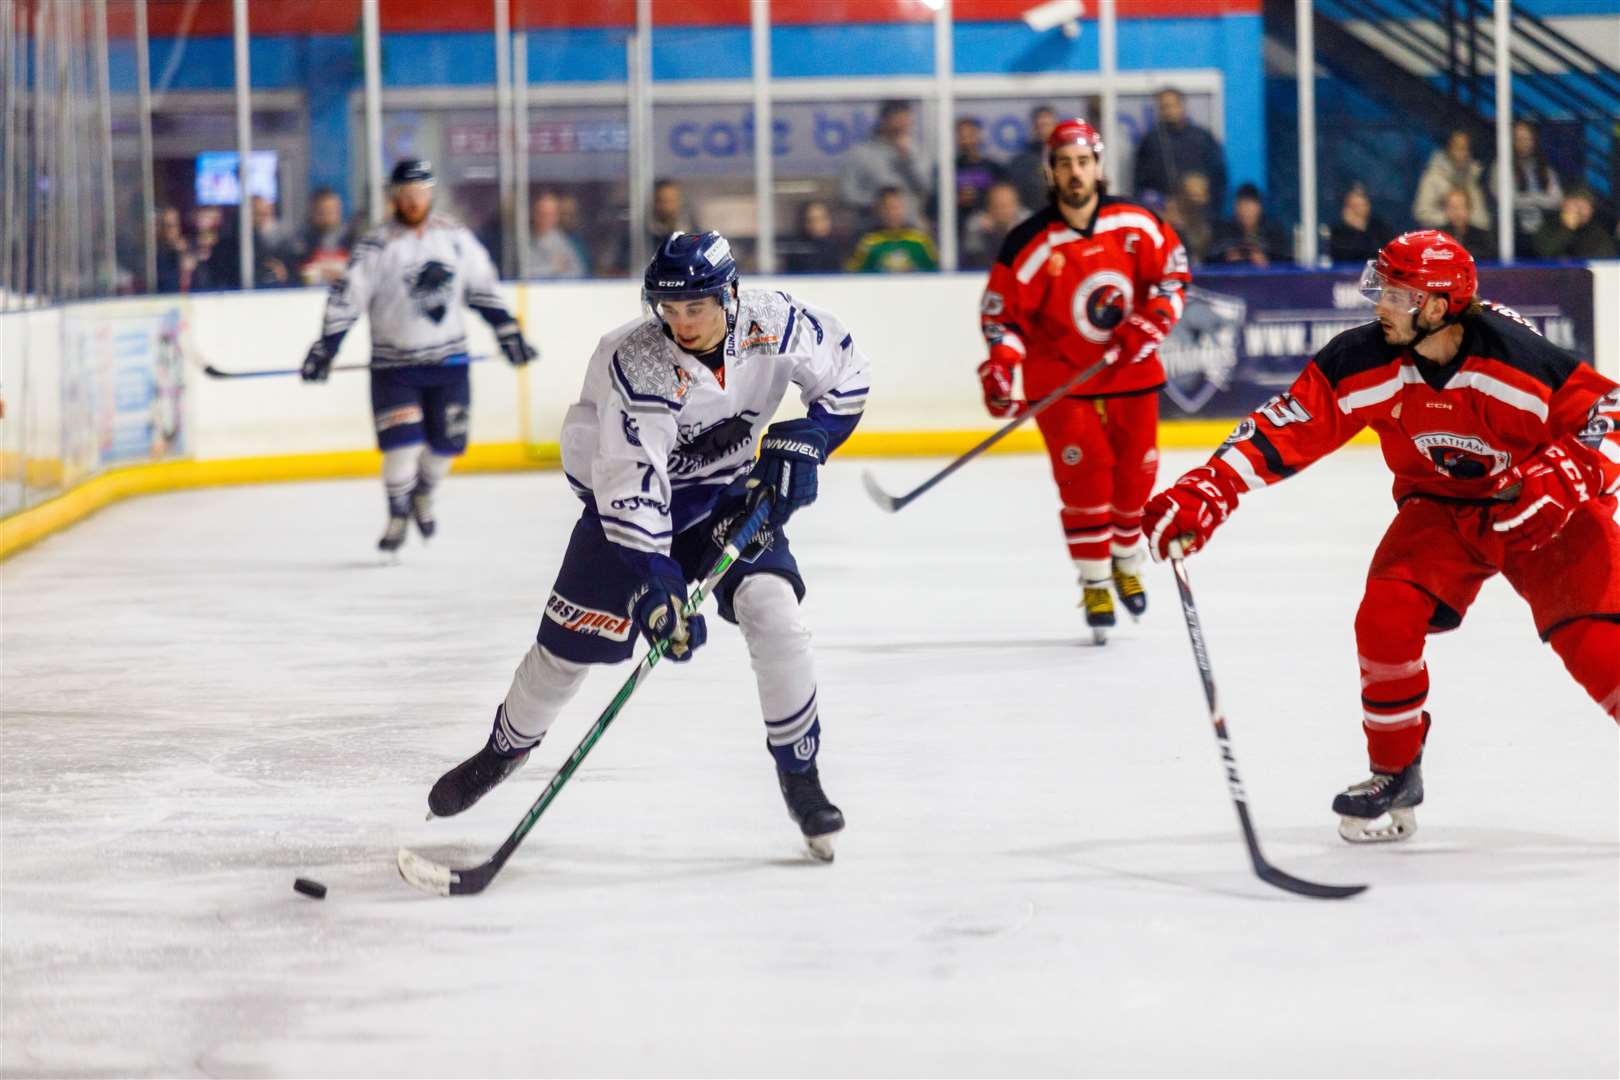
{"type": "Point", "coordinates": [1099, 605]}
{"type": "Point", "coordinates": [1128, 584]}
{"type": "Point", "coordinates": [422, 509]}
{"type": "Point", "coordinates": [393, 537]}
{"type": "Point", "coordinates": [472, 780]}
{"type": "Point", "coordinates": [1361, 806]}
{"type": "Point", "coordinates": [807, 805]}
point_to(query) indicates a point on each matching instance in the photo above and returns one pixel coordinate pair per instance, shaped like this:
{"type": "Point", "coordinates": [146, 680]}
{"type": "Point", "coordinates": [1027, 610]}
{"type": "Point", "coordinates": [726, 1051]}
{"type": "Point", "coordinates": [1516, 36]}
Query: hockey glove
{"type": "Point", "coordinates": [510, 338]}
{"type": "Point", "coordinates": [790, 455]}
{"type": "Point", "coordinates": [1188, 510]}
{"type": "Point", "coordinates": [1551, 485]}
{"type": "Point", "coordinates": [656, 608]}
{"type": "Point", "coordinates": [318, 364]}
{"type": "Point", "coordinates": [1137, 338]}
{"type": "Point", "coordinates": [996, 379]}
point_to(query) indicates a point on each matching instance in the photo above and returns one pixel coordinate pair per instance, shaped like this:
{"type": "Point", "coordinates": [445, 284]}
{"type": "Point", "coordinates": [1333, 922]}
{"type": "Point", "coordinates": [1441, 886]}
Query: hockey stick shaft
{"type": "Point", "coordinates": [899, 502]}
{"type": "Point", "coordinates": [261, 373]}
{"type": "Point", "coordinates": [423, 874]}
{"type": "Point", "coordinates": [1234, 783]}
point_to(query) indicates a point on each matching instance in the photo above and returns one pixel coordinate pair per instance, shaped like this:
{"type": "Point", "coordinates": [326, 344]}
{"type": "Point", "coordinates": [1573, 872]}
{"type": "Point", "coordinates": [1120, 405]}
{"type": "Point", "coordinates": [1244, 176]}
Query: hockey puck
{"type": "Point", "coordinates": [310, 888]}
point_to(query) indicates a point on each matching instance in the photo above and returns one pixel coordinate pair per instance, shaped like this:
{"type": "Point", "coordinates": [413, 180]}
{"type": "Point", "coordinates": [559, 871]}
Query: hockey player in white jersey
{"type": "Point", "coordinates": [412, 275]}
{"type": "Point", "coordinates": [661, 449]}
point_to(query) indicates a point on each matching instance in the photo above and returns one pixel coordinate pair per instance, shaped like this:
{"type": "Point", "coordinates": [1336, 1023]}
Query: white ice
{"type": "Point", "coordinates": [207, 694]}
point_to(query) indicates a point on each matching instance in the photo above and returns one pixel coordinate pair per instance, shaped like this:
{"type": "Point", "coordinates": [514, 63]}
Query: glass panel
{"type": "Point", "coordinates": [576, 215]}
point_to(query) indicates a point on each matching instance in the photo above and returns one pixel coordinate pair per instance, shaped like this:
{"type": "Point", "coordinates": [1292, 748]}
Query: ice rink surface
{"type": "Point", "coordinates": [207, 694]}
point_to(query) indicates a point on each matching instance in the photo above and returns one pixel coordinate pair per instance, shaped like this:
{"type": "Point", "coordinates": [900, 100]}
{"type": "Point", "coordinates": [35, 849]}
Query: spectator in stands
{"type": "Point", "coordinates": [175, 262]}
{"type": "Point", "coordinates": [216, 264]}
{"type": "Point", "coordinates": [1188, 212]}
{"type": "Point", "coordinates": [815, 250]}
{"type": "Point", "coordinates": [1027, 169]}
{"type": "Point", "coordinates": [887, 160]}
{"type": "Point", "coordinates": [1358, 234]}
{"type": "Point", "coordinates": [326, 240]}
{"type": "Point", "coordinates": [1537, 194]}
{"type": "Point", "coordinates": [568, 220]}
{"type": "Point", "coordinates": [669, 213]}
{"type": "Point", "coordinates": [1459, 211]}
{"type": "Point", "coordinates": [1173, 147]}
{"type": "Point", "coordinates": [896, 245]}
{"type": "Point", "coordinates": [974, 172]}
{"type": "Point", "coordinates": [275, 249]}
{"type": "Point", "coordinates": [1249, 237]}
{"type": "Point", "coordinates": [1572, 234]}
{"type": "Point", "coordinates": [552, 252]}
{"type": "Point", "coordinates": [987, 229]}
{"type": "Point", "coordinates": [1452, 167]}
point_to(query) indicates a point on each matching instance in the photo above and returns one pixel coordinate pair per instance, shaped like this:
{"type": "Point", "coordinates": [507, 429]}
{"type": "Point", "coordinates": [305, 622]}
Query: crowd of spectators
{"type": "Point", "coordinates": [883, 215]}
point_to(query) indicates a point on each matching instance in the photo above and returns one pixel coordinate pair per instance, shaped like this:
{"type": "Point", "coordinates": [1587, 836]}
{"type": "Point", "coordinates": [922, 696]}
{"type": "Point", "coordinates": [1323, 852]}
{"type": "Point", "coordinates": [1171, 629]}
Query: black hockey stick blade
{"type": "Point", "coordinates": [1289, 883]}
{"type": "Point", "coordinates": [886, 502]}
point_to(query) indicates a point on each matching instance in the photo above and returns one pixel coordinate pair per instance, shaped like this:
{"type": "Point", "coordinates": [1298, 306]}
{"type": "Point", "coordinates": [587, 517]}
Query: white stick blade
{"type": "Point", "coordinates": [425, 874]}
{"type": "Point", "coordinates": [879, 496]}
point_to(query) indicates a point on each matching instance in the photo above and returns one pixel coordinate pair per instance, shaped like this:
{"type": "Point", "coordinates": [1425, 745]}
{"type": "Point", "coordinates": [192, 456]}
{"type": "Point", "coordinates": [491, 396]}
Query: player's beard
{"type": "Point", "coordinates": [416, 219]}
{"type": "Point", "coordinates": [1077, 195]}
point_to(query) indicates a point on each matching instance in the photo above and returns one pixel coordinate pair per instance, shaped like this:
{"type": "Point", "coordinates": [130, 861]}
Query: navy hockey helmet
{"type": "Point", "coordinates": [690, 266]}
{"type": "Point", "coordinates": [412, 171]}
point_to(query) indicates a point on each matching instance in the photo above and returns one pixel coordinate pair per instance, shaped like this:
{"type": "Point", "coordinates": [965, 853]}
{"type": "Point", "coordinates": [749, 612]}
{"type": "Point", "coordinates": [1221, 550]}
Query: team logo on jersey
{"type": "Point", "coordinates": [697, 447]}
{"type": "Point", "coordinates": [632, 430]}
{"type": "Point", "coordinates": [1071, 455]}
{"type": "Point", "coordinates": [993, 303]}
{"type": "Point", "coordinates": [579, 619]}
{"type": "Point", "coordinates": [1242, 433]}
{"type": "Point", "coordinates": [456, 421]}
{"type": "Point", "coordinates": [430, 288]}
{"type": "Point", "coordinates": [1465, 457]}
{"type": "Point", "coordinates": [805, 748]}
{"type": "Point", "coordinates": [1101, 301]}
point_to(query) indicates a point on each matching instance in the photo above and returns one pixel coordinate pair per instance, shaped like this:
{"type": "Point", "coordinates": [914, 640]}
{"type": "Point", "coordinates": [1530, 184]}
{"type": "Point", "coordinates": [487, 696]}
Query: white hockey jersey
{"type": "Point", "coordinates": [413, 286]}
{"type": "Point", "coordinates": [655, 436]}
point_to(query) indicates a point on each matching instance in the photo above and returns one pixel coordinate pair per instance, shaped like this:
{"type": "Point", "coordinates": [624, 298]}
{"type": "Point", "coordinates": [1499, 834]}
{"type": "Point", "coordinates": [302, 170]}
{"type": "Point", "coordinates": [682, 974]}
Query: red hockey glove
{"type": "Point", "coordinates": [1550, 486]}
{"type": "Point", "coordinates": [1137, 338]}
{"type": "Point", "coordinates": [1188, 510]}
{"type": "Point", "coordinates": [996, 379]}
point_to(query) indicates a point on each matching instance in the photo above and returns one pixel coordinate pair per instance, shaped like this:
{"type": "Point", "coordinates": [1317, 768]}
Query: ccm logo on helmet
{"type": "Point", "coordinates": [671, 284]}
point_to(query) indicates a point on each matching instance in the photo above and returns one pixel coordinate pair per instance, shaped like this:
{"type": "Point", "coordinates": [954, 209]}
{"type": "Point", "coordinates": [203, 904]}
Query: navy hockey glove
{"type": "Point", "coordinates": [518, 352]}
{"type": "Point", "coordinates": [656, 608]}
{"type": "Point", "coordinates": [789, 456]}
{"type": "Point", "coordinates": [318, 364]}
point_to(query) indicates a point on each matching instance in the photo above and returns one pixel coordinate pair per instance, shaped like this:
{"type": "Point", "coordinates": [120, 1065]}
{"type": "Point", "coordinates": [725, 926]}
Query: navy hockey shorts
{"type": "Point", "coordinates": [429, 402]}
{"type": "Point", "coordinates": [587, 618]}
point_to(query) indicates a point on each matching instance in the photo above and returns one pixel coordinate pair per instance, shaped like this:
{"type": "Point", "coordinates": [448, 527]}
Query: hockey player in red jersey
{"type": "Point", "coordinates": [1088, 277]}
{"type": "Point", "coordinates": [1506, 457]}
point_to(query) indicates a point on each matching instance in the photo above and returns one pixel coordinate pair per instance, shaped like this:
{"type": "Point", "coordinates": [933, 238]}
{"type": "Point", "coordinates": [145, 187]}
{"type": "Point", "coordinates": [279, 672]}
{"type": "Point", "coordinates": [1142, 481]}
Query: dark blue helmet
{"type": "Point", "coordinates": [690, 266]}
{"type": "Point", "coordinates": [412, 171]}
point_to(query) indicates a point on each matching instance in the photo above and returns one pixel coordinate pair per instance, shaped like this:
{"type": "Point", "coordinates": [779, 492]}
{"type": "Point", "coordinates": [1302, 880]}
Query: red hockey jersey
{"type": "Point", "coordinates": [1056, 295]}
{"type": "Point", "coordinates": [1449, 431]}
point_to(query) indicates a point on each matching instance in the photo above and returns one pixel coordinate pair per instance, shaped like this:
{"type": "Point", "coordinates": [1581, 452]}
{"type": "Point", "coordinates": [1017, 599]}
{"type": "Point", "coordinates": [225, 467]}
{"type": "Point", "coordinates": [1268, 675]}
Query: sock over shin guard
{"type": "Point", "coordinates": [1590, 650]}
{"type": "Point", "coordinates": [779, 647]}
{"type": "Point", "coordinates": [541, 686]}
{"type": "Point", "coordinates": [1390, 628]}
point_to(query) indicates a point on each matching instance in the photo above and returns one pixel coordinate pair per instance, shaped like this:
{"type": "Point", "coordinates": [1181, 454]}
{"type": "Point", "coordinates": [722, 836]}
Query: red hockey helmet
{"type": "Point", "coordinates": [1423, 262]}
{"type": "Point", "coordinates": [1074, 130]}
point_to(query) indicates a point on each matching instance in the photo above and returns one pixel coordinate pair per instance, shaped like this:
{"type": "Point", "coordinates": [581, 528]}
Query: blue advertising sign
{"type": "Point", "coordinates": [1246, 335]}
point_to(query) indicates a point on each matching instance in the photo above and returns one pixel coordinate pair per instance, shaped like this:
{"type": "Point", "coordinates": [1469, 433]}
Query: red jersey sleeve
{"type": "Point", "coordinates": [1003, 320]}
{"type": "Point", "coordinates": [1165, 271]}
{"type": "Point", "coordinates": [1286, 434]}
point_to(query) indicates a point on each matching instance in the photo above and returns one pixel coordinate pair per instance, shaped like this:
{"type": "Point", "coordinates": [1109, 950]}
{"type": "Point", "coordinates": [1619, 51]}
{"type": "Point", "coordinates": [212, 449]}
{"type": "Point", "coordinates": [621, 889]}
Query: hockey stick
{"type": "Point", "coordinates": [434, 877]}
{"type": "Point", "coordinates": [220, 373]}
{"type": "Point", "coordinates": [1234, 783]}
{"type": "Point", "coordinates": [894, 503]}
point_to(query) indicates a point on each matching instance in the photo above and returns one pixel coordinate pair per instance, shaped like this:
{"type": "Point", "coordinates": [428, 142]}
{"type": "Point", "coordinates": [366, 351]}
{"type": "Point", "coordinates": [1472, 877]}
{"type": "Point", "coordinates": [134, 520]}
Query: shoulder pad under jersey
{"type": "Point", "coordinates": [762, 321]}
{"type": "Point", "coordinates": [1361, 348]}
{"type": "Point", "coordinates": [644, 369]}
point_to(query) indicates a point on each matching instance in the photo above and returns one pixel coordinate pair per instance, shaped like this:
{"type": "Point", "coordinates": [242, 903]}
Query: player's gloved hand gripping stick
{"type": "Point", "coordinates": [893, 503]}
{"type": "Point", "coordinates": [433, 877]}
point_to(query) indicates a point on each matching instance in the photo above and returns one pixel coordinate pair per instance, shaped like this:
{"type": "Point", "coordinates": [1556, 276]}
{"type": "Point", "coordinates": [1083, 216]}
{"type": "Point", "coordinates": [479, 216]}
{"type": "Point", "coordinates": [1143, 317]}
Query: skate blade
{"type": "Point", "coordinates": [1099, 635]}
{"type": "Point", "coordinates": [1398, 825]}
{"type": "Point", "coordinates": [387, 558]}
{"type": "Point", "coordinates": [821, 847]}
